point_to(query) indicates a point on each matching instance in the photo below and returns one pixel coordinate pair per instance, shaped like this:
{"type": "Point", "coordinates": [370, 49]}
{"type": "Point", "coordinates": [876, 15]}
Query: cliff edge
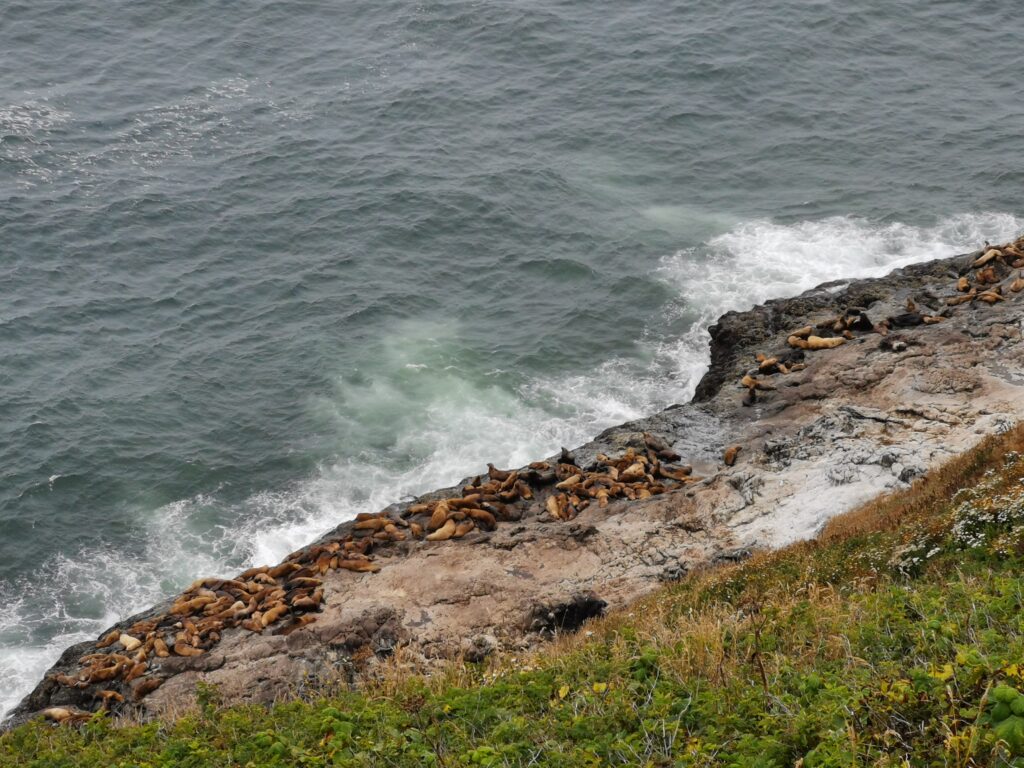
{"type": "Point", "coordinates": [811, 406]}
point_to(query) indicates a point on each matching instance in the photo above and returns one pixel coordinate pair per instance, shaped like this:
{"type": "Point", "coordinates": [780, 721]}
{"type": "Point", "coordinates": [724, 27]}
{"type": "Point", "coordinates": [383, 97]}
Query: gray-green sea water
{"type": "Point", "coordinates": [264, 265]}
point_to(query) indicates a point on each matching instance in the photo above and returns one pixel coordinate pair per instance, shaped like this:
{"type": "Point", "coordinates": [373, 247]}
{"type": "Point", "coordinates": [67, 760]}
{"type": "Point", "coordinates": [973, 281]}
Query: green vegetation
{"type": "Point", "coordinates": [896, 638]}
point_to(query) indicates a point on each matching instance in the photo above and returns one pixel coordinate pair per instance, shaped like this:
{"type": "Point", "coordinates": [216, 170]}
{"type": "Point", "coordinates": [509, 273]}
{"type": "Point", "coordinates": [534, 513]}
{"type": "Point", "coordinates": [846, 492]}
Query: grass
{"type": "Point", "coordinates": [894, 639]}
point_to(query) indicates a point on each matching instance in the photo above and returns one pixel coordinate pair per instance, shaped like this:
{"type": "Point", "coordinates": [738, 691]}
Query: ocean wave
{"type": "Point", "coordinates": [417, 422]}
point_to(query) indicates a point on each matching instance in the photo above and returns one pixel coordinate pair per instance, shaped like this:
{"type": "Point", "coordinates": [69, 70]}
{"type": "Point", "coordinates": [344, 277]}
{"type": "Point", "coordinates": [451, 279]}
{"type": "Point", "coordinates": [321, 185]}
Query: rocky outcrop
{"type": "Point", "coordinates": [868, 415]}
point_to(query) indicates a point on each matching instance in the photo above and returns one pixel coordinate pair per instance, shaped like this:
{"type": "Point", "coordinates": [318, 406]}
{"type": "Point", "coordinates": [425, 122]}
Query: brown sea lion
{"type": "Point", "coordinates": [987, 276]}
{"type": "Point", "coordinates": [438, 516]}
{"type": "Point", "coordinates": [443, 533]}
{"type": "Point", "coordinates": [66, 715]}
{"type": "Point", "coordinates": [110, 697]}
{"type": "Point", "coordinates": [986, 257]}
{"type": "Point", "coordinates": [730, 454]}
{"type": "Point", "coordinates": [275, 613]}
{"type": "Point", "coordinates": [497, 474]}
{"type": "Point", "coordinates": [569, 482]}
{"type": "Point", "coordinates": [817, 342]}
{"type": "Point", "coordinates": [957, 300]}
{"type": "Point", "coordinates": [750, 382]}
{"type": "Point", "coordinates": [145, 686]}
{"type": "Point", "coordinates": [138, 670]}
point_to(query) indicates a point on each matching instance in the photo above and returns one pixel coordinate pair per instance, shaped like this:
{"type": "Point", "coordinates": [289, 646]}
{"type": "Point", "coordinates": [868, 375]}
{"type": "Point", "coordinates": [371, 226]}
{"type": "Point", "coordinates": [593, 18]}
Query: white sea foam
{"type": "Point", "coordinates": [31, 119]}
{"type": "Point", "coordinates": [445, 427]}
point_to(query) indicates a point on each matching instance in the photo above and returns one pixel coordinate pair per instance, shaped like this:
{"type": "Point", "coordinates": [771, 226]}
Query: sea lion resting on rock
{"type": "Point", "coordinates": [815, 342]}
{"type": "Point", "coordinates": [289, 594]}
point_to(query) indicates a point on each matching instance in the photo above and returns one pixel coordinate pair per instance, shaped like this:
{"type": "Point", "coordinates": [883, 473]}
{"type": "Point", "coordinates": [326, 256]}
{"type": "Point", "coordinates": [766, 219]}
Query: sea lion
{"type": "Point", "coordinates": [274, 614]}
{"type": "Point", "coordinates": [750, 382]}
{"type": "Point", "coordinates": [963, 285]}
{"type": "Point", "coordinates": [461, 529]}
{"type": "Point", "coordinates": [857, 320]}
{"type": "Point", "coordinates": [906, 320]}
{"type": "Point", "coordinates": [632, 473]}
{"type": "Point", "coordinates": [987, 276]}
{"type": "Point", "coordinates": [443, 533]}
{"type": "Point", "coordinates": [130, 643]}
{"type": "Point", "coordinates": [284, 568]}
{"type": "Point", "coordinates": [297, 623]}
{"type": "Point", "coordinates": [1018, 284]}
{"type": "Point", "coordinates": [729, 456]}
{"type": "Point", "coordinates": [991, 296]}
{"type": "Point", "coordinates": [680, 474]}
{"type": "Point", "coordinates": [986, 257]}
{"type": "Point", "coordinates": [145, 686]}
{"type": "Point", "coordinates": [803, 333]}
{"type": "Point", "coordinates": [102, 675]}
{"type": "Point", "coordinates": [306, 603]}
{"type": "Point", "coordinates": [816, 342]}
{"type": "Point", "coordinates": [660, 446]}
{"type": "Point", "coordinates": [957, 300]}
{"type": "Point", "coordinates": [438, 516]}
{"type": "Point", "coordinates": [66, 715]}
{"type": "Point", "coordinates": [553, 506]}
{"type": "Point", "coordinates": [185, 649]}
{"type": "Point", "coordinates": [137, 670]}
{"type": "Point", "coordinates": [109, 696]}
{"type": "Point", "coordinates": [70, 682]}
{"type": "Point", "coordinates": [161, 648]}
{"type": "Point", "coordinates": [469, 500]}
{"type": "Point", "coordinates": [109, 639]}
{"type": "Point", "coordinates": [373, 524]}
{"type": "Point", "coordinates": [304, 581]}
{"type": "Point", "coordinates": [497, 474]}
{"type": "Point", "coordinates": [569, 482]}
{"type": "Point", "coordinates": [483, 518]}
{"type": "Point", "coordinates": [524, 490]}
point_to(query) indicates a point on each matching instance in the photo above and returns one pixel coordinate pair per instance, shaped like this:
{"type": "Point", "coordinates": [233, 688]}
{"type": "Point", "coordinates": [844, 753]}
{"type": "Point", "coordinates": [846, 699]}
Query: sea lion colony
{"type": "Point", "coordinates": [983, 281]}
{"type": "Point", "coordinates": [282, 598]}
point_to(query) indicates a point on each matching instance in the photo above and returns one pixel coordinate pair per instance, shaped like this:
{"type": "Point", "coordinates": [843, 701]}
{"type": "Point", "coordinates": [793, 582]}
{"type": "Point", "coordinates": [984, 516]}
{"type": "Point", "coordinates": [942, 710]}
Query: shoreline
{"type": "Point", "coordinates": [866, 417]}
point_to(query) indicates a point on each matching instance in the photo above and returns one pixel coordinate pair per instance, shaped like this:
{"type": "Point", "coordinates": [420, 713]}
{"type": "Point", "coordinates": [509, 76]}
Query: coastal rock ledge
{"type": "Point", "coordinates": [919, 377]}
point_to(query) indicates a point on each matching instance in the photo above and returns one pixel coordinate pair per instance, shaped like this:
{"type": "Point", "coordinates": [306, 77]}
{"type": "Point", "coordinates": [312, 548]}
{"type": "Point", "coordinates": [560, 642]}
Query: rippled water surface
{"type": "Point", "coordinates": [264, 265]}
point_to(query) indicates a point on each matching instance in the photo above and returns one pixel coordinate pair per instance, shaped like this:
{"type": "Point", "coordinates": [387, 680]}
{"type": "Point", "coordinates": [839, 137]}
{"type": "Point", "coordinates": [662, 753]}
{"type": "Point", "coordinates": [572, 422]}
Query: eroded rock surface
{"type": "Point", "coordinates": [865, 417]}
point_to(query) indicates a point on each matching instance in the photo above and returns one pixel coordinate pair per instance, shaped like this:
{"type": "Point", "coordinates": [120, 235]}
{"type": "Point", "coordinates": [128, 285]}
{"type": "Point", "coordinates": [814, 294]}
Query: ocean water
{"type": "Point", "coordinates": [266, 265]}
